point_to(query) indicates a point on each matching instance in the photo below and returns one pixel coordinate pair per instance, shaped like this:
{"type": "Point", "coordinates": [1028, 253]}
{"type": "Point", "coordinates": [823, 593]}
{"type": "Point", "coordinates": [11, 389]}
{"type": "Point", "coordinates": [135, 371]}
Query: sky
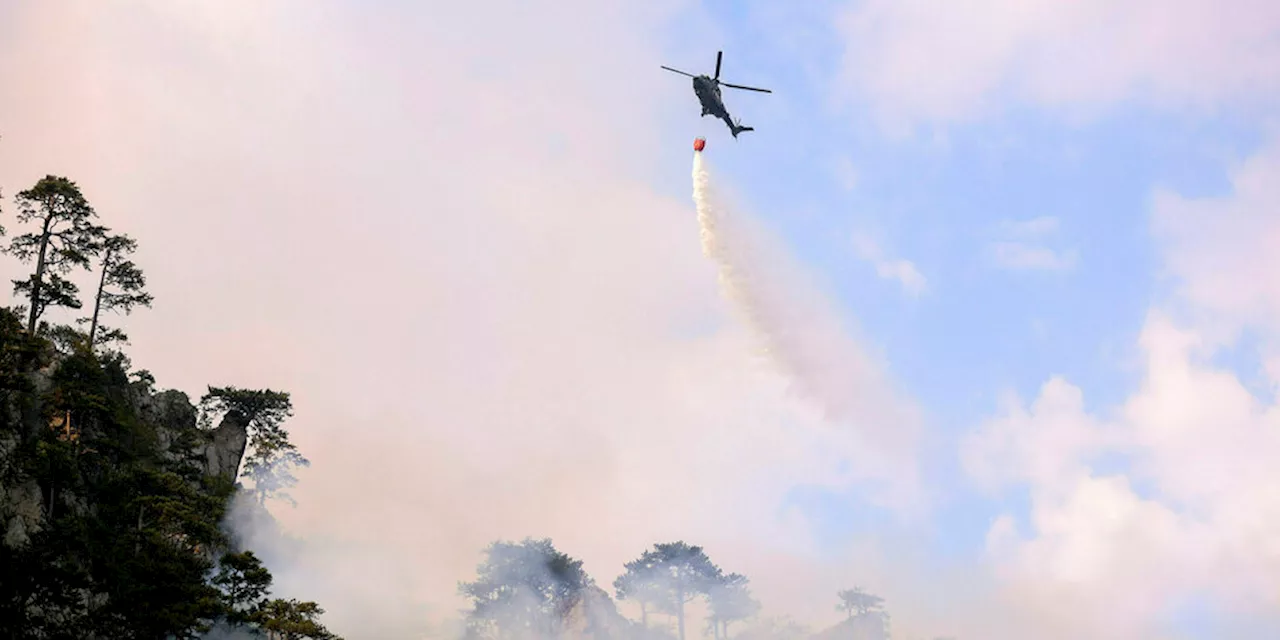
{"type": "Point", "coordinates": [1034, 241]}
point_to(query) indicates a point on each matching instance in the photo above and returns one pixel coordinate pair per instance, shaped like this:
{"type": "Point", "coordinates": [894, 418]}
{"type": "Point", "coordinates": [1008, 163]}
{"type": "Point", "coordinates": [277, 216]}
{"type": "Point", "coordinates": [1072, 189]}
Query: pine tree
{"type": "Point", "coordinates": [121, 287]}
{"type": "Point", "coordinates": [66, 239]}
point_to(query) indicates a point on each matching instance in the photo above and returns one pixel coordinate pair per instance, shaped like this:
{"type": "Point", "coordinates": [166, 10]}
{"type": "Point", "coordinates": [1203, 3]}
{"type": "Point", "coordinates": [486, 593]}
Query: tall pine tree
{"type": "Point", "coordinates": [121, 287]}
{"type": "Point", "coordinates": [66, 238]}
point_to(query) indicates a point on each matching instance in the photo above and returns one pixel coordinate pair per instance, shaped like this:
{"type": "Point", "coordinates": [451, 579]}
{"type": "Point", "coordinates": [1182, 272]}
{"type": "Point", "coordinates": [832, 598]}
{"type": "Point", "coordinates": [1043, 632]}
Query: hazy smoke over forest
{"type": "Point", "coordinates": [491, 325]}
{"type": "Point", "coordinates": [461, 236]}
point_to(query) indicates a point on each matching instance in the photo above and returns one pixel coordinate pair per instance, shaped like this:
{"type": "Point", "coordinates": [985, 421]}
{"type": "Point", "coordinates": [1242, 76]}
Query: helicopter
{"type": "Point", "coordinates": [708, 90]}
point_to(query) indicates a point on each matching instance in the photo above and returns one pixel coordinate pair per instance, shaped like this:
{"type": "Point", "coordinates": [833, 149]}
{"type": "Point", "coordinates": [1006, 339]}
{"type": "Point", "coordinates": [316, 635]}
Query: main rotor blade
{"type": "Point", "coordinates": [680, 72]}
{"type": "Point", "coordinates": [738, 86]}
{"type": "Point", "coordinates": [718, 54]}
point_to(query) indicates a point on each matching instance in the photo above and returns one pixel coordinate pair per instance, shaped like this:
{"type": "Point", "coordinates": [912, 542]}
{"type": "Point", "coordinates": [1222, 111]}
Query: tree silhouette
{"type": "Point", "coordinates": [523, 589]}
{"type": "Point", "coordinates": [120, 286]}
{"type": "Point", "coordinates": [672, 575]}
{"type": "Point", "coordinates": [66, 239]}
{"type": "Point", "coordinates": [730, 602]}
{"type": "Point", "coordinates": [643, 583]}
{"type": "Point", "coordinates": [856, 602]}
{"type": "Point", "coordinates": [292, 620]}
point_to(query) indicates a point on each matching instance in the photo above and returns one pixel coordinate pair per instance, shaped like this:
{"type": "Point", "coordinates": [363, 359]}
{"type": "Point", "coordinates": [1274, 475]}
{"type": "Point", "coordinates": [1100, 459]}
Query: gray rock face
{"type": "Point", "coordinates": [215, 452]}
{"type": "Point", "coordinates": [23, 510]}
{"type": "Point", "coordinates": [21, 504]}
{"type": "Point", "coordinates": [172, 410]}
{"type": "Point", "coordinates": [225, 448]}
{"type": "Point", "coordinates": [219, 451]}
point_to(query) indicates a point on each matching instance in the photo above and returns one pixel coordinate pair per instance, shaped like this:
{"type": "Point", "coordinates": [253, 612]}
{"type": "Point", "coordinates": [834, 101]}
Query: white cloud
{"type": "Point", "coordinates": [903, 271]}
{"type": "Point", "coordinates": [1045, 444]}
{"type": "Point", "coordinates": [1022, 246]}
{"type": "Point", "coordinates": [1196, 513]}
{"type": "Point", "coordinates": [943, 62]}
{"type": "Point", "coordinates": [1222, 252]}
{"type": "Point", "coordinates": [1209, 524]}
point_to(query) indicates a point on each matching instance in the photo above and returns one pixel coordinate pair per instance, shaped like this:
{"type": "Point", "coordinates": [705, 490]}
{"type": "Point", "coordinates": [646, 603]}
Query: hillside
{"type": "Point", "coordinates": [112, 493]}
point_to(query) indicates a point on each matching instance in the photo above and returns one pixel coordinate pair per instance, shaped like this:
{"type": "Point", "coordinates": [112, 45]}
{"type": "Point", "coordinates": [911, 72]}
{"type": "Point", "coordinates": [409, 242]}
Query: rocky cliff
{"type": "Point", "coordinates": [112, 496]}
{"type": "Point", "coordinates": [167, 418]}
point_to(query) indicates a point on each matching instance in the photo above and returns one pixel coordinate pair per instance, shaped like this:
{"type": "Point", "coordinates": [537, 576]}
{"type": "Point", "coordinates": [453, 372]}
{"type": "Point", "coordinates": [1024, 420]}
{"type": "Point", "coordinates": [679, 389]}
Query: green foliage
{"type": "Point", "coordinates": [261, 410]}
{"type": "Point", "coordinates": [65, 239]}
{"type": "Point", "coordinates": [50, 289]}
{"type": "Point", "coordinates": [139, 549]}
{"type": "Point", "coordinates": [293, 620]}
{"type": "Point", "coordinates": [244, 584]}
{"type": "Point", "coordinates": [65, 339]}
{"type": "Point", "coordinates": [18, 352]}
{"type": "Point", "coordinates": [523, 589]}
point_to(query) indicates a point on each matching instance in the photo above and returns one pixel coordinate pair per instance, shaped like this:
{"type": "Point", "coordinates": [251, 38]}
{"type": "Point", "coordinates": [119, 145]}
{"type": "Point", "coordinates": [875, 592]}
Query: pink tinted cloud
{"type": "Point", "coordinates": [920, 61]}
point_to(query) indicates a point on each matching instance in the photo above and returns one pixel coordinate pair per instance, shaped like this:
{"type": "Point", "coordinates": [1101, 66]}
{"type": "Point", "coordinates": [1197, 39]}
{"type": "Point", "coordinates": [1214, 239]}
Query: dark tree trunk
{"type": "Point", "coordinates": [97, 300]}
{"type": "Point", "coordinates": [38, 279]}
{"type": "Point", "coordinates": [137, 542]}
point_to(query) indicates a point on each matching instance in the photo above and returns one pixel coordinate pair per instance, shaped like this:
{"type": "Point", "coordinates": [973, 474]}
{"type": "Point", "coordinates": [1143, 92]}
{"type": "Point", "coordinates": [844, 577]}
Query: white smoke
{"type": "Point", "coordinates": [799, 334]}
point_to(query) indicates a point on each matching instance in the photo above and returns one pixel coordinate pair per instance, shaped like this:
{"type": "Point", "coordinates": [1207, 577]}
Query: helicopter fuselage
{"type": "Point", "coordinates": [708, 92]}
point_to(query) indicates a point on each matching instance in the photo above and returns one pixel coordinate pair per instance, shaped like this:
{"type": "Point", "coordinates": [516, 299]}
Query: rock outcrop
{"type": "Point", "coordinates": [170, 415]}
{"type": "Point", "coordinates": [217, 451]}
{"type": "Point", "coordinates": [225, 447]}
